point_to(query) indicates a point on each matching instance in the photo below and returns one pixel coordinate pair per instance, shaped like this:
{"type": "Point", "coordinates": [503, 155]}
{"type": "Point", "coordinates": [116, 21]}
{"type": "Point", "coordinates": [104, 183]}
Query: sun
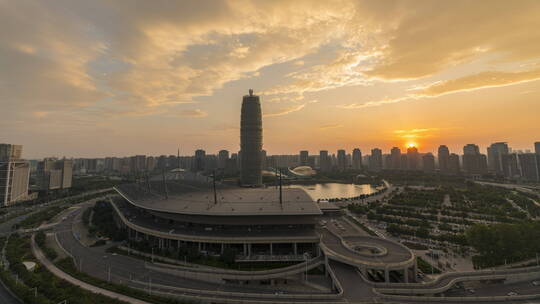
{"type": "Point", "coordinates": [411, 145]}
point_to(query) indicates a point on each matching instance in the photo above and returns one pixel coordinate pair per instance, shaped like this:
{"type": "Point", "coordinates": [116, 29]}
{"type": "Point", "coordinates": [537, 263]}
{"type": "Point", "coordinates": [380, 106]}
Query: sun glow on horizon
{"type": "Point", "coordinates": [412, 145]}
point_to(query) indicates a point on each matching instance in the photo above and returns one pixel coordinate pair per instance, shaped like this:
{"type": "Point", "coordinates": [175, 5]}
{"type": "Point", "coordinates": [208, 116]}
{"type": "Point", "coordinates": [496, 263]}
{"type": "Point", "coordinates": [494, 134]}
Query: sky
{"type": "Point", "coordinates": [117, 78]}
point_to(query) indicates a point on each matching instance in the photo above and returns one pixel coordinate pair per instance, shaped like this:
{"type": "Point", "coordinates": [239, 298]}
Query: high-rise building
{"type": "Point", "coordinates": [264, 160]}
{"type": "Point", "coordinates": [453, 164]}
{"type": "Point", "coordinates": [496, 152]}
{"type": "Point", "coordinates": [138, 163]}
{"type": "Point", "coordinates": [471, 149]}
{"type": "Point", "coordinates": [357, 159]}
{"type": "Point", "coordinates": [54, 174]}
{"type": "Point", "coordinates": [395, 158]}
{"type": "Point", "coordinates": [14, 175]}
{"type": "Point", "coordinates": [341, 160]}
{"type": "Point", "coordinates": [510, 166]}
{"type": "Point", "coordinates": [473, 162]}
{"type": "Point", "coordinates": [303, 158]}
{"type": "Point", "coordinates": [376, 160]}
{"type": "Point", "coordinates": [529, 166]}
{"type": "Point", "coordinates": [413, 158]}
{"type": "Point", "coordinates": [537, 147]}
{"type": "Point", "coordinates": [151, 163]}
{"type": "Point", "coordinates": [443, 155]}
{"type": "Point", "coordinates": [10, 152]}
{"type": "Point", "coordinates": [324, 161]}
{"type": "Point", "coordinates": [223, 156]}
{"type": "Point", "coordinates": [428, 162]}
{"type": "Point", "coordinates": [251, 133]}
{"type": "Point", "coordinates": [199, 163]}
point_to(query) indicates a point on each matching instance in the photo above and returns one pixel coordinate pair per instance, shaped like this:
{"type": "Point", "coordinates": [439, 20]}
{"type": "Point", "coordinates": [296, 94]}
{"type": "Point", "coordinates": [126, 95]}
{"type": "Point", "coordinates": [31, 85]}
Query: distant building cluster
{"type": "Point", "coordinates": [500, 161]}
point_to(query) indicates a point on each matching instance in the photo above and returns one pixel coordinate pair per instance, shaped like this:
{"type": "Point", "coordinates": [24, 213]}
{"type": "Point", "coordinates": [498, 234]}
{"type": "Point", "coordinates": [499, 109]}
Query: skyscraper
{"type": "Point", "coordinates": [530, 166]}
{"type": "Point", "coordinates": [251, 141]}
{"type": "Point", "coordinates": [537, 147]}
{"type": "Point", "coordinates": [304, 158]}
{"type": "Point", "coordinates": [443, 155]}
{"type": "Point", "coordinates": [474, 162]}
{"type": "Point", "coordinates": [395, 158]}
{"type": "Point", "coordinates": [357, 159]}
{"type": "Point", "coordinates": [14, 175]}
{"type": "Point", "coordinates": [496, 163]}
{"type": "Point", "coordinates": [223, 156]}
{"type": "Point", "coordinates": [375, 160]}
{"type": "Point", "coordinates": [428, 161]}
{"type": "Point", "coordinates": [55, 174]}
{"type": "Point", "coordinates": [324, 161]}
{"type": "Point", "coordinates": [453, 164]}
{"type": "Point", "coordinates": [412, 158]}
{"type": "Point", "coordinates": [341, 160]}
{"type": "Point", "coordinates": [199, 163]}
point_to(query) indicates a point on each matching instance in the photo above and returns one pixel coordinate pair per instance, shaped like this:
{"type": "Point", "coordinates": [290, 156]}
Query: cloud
{"type": "Point", "coordinates": [478, 81]}
{"type": "Point", "coordinates": [192, 113]}
{"type": "Point", "coordinates": [374, 103]}
{"type": "Point", "coordinates": [341, 71]}
{"type": "Point", "coordinates": [100, 60]}
{"type": "Point", "coordinates": [424, 130]}
{"type": "Point", "coordinates": [488, 79]}
{"type": "Point", "coordinates": [330, 126]}
{"type": "Point", "coordinates": [285, 111]}
{"type": "Point", "coordinates": [416, 133]}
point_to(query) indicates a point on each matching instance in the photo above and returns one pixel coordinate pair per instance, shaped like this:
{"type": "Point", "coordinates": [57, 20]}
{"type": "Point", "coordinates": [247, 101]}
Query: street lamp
{"type": "Point", "coordinates": [306, 257]}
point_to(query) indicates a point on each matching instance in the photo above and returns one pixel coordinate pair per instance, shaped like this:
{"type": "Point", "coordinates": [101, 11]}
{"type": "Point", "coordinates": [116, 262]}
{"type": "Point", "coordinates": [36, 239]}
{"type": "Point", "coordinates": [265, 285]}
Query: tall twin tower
{"type": "Point", "coordinates": [251, 141]}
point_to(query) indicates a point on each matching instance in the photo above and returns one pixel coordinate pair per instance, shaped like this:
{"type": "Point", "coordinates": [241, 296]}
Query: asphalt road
{"type": "Point", "coordinates": [132, 272]}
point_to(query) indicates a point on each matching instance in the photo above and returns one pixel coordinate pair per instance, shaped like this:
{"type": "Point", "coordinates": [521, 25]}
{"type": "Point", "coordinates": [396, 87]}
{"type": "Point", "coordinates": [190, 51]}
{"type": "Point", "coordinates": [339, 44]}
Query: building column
{"type": "Point", "coordinates": [326, 274]}
{"type": "Point", "coordinates": [406, 274]}
{"type": "Point", "coordinates": [200, 246]}
{"type": "Point", "coordinates": [295, 248]}
{"type": "Point", "coordinates": [245, 249]}
{"type": "Point", "coordinates": [271, 249]}
{"type": "Point", "coordinates": [386, 275]}
{"type": "Point", "coordinates": [249, 249]}
{"type": "Point", "coordinates": [222, 248]}
{"type": "Point", "coordinates": [415, 271]}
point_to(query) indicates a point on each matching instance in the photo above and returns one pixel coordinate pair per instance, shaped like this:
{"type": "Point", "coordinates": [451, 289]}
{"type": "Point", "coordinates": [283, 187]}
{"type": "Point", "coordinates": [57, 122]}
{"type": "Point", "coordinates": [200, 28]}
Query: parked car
{"type": "Point", "coordinates": [512, 293]}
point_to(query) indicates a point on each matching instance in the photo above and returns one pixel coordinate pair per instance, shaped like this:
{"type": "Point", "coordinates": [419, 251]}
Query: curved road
{"type": "Point", "coordinates": [132, 272]}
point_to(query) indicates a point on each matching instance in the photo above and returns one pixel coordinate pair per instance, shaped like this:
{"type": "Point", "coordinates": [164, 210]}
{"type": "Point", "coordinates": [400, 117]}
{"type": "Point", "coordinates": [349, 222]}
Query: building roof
{"type": "Point", "coordinates": [198, 199]}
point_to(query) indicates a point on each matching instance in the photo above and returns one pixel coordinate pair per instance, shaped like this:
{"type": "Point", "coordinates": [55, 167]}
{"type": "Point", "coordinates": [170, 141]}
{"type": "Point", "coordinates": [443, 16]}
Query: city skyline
{"type": "Point", "coordinates": [363, 151]}
{"type": "Point", "coordinates": [336, 76]}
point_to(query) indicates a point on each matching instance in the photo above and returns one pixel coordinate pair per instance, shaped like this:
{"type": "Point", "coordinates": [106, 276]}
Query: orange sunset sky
{"type": "Point", "coordinates": [114, 78]}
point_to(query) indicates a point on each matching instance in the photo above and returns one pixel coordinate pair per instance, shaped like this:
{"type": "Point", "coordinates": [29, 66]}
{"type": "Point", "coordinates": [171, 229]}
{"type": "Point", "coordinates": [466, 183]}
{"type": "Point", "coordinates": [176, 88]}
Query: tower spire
{"type": "Point", "coordinates": [280, 190]}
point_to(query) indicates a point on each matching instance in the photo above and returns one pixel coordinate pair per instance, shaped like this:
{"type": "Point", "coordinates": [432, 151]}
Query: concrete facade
{"type": "Point", "coordinates": [251, 141]}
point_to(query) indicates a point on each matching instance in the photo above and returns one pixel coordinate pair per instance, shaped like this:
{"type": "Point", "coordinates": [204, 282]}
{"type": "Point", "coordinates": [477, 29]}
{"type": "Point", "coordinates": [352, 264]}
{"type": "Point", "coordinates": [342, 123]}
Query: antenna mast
{"type": "Point", "coordinates": [178, 157]}
{"type": "Point", "coordinates": [214, 184]}
{"type": "Point", "coordinates": [280, 190]}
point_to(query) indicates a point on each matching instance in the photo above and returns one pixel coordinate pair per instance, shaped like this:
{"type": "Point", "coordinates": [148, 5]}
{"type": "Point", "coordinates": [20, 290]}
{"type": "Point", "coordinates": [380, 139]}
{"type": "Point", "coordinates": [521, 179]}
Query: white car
{"type": "Point", "coordinates": [536, 283]}
{"type": "Point", "coordinates": [512, 293]}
